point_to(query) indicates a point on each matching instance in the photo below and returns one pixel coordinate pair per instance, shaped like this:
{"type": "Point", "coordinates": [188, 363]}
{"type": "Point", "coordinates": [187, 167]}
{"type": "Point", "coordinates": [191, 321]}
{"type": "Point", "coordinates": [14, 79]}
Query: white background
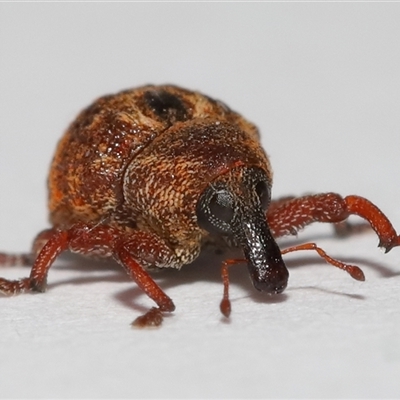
{"type": "Point", "coordinates": [322, 83]}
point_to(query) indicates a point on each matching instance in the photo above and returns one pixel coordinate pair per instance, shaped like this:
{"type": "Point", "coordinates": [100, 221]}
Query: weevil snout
{"type": "Point", "coordinates": [267, 270]}
{"type": "Point", "coordinates": [233, 206]}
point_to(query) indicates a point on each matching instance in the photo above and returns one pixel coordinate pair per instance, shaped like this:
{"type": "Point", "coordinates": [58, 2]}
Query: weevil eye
{"type": "Point", "coordinates": [263, 193]}
{"type": "Point", "coordinates": [215, 210]}
{"type": "Point", "coordinates": [221, 206]}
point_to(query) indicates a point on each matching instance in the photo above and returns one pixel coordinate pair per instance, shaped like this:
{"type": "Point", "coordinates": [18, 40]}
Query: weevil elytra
{"type": "Point", "coordinates": [148, 175]}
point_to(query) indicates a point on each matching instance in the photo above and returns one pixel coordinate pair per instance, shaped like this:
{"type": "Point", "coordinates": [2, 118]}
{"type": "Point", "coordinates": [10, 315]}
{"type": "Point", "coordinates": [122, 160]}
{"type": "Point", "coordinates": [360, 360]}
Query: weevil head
{"type": "Point", "coordinates": [233, 205]}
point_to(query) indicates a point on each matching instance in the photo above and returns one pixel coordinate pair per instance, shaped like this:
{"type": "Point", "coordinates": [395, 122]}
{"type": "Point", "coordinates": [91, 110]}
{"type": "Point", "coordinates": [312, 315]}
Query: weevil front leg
{"type": "Point", "coordinates": [134, 251]}
{"type": "Point", "coordinates": [130, 250]}
{"type": "Point", "coordinates": [292, 215]}
{"type": "Point", "coordinates": [153, 252]}
{"type": "Point", "coordinates": [288, 217]}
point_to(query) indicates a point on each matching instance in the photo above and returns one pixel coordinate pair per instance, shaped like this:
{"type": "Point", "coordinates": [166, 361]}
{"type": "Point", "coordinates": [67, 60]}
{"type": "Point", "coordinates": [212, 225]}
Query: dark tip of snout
{"type": "Point", "coordinates": [274, 283]}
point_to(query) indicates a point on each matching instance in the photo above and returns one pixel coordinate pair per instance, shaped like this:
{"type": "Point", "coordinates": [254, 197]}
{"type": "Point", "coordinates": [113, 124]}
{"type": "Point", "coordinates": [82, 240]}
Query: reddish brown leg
{"type": "Point", "coordinates": [353, 270]}
{"type": "Point", "coordinates": [225, 305]}
{"type": "Point", "coordinates": [104, 241]}
{"type": "Point", "coordinates": [38, 277]}
{"type": "Point", "coordinates": [388, 237]}
{"type": "Point", "coordinates": [133, 251]}
{"type": "Point", "coordinates": [41, 239]}
{"type": "Point", "coordinates": [342, 229]}
{"type": "Point", "coordinates": [290, 216]}
{"type": "Point", "coordinates": [277, 203]}
{"type": "Point", "coordinates": [154, 316]}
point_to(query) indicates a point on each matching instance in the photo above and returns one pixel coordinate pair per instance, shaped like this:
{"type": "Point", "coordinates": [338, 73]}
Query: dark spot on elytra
{"type": "Point", "coordinates": [166, 106]}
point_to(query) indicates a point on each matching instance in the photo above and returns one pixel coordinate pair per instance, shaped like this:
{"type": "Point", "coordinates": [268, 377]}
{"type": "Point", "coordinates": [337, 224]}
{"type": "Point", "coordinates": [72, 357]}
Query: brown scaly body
{"type": "Point", "coordinates": [148, 175]}
{"type": "Point", "coordinates": [120, 154]}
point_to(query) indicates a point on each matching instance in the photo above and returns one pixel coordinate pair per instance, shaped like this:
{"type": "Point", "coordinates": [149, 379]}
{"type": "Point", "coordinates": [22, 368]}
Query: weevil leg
{"type": "Point", "coordinates": [292, 215]}
{"type": "Point", "coordinates": [56, 244]}
{"type": "Point", "coordinates": [47, 246]}
{"type": "Point", "coordinates": [40, 240]}
{"type": "Point", "coordinates": [354, 271]}
{"type": "Point", "coordinates": [154, 316]}
{"type": "Point", "coordinates": [342, 228]}
{"type": "Point", "coordinates": [225, 305]}
{"type": "Point", "coordinates": [103, 241]}
{"type": "Point", "coordinates": [140, 246]}
{"type": "Point", "coordinates": [388, 237]}
{"type": "Point", "coordinates": [277, 203]}
{"type": "Point", "coordinates": [131, 251]}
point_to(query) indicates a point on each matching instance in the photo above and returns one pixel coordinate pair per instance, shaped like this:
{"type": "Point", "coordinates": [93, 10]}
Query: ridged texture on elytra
{"type": "Point", "coordinates": [140, 159]}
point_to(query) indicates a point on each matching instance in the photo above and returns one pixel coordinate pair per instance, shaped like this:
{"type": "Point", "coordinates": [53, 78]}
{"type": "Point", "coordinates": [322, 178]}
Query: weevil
{"type": "Point", "coordinates": [147, 176]}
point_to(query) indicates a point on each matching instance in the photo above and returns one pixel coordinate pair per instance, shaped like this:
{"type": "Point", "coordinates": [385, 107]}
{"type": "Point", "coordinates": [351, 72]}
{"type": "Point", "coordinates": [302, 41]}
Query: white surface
{"type": "Point", "coordinates": [322, 83]}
